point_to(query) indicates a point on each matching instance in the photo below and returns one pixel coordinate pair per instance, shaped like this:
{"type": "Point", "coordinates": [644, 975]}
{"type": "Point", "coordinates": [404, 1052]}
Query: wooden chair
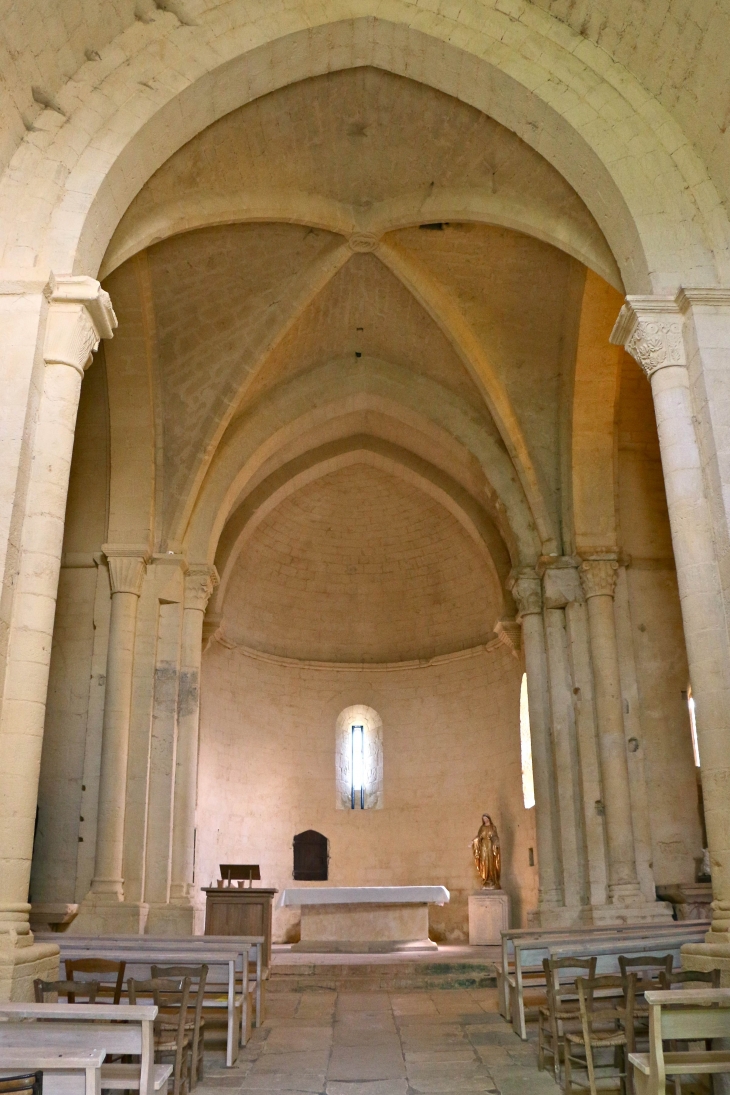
{"type": "Point", "coordinates": [686, 978]}
{"type": "Point", "coordinates": [600, 1029]}
{"type": "Point", "coordinates": [171, 996]}
{"type": "Point", "coordinates": [562, 1011]}
{"type": "Point", "coordinates": [114, 971]}
{"type": "Point", "coordinates": [87, 990]}
{"type": "Point", "coordinates": [29, 1083]}
{"type": "Point", "coordinates": [195, 1024]}
{"type": "Point", "coordinates": [649, 969]}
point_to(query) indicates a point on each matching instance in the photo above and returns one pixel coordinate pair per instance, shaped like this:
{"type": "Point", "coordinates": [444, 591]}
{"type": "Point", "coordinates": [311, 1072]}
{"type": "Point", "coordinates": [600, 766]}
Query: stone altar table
{"type": "Point", "coordinates": [364, 918]}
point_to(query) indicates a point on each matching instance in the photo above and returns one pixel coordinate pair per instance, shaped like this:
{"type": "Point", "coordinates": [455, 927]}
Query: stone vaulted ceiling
{"type": "Point", "coordinates": [234, 312]}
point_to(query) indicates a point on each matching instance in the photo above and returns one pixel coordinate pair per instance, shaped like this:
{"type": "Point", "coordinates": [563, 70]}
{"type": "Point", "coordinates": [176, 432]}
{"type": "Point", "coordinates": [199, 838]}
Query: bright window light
{"type": "Point", "coordinates": [528, 783]}
{"type": "Point", "coordinates": [693, 727]}
{"type": "Point", "coordinates": [358, 768]}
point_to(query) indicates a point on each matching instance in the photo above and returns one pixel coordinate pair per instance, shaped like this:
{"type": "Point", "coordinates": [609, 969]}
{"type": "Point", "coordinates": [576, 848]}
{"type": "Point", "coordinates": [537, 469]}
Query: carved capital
{"type": "Point", "coordinates": [200, 582]}
{"type": "Point", "coordinates": [598, 577]}
{"type": "Point", "coordinates": [528, 596]}
{"type": "Point", "coordinates": [651, 330]}
{"type": "Point", "coordinates": [127, 567]}
{"type": "Point", "coordinates": [560, 584]}
{"type": "Point", "coordinates": [79, 316]}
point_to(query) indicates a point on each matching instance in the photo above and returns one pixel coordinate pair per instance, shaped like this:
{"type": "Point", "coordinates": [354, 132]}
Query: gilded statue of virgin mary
{"type": "Point", "coordinates": [487, 855]}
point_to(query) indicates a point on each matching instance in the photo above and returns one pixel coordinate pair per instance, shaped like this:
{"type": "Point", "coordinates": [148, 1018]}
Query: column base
{"type": "Point", "coordinates": [560, 916]}
{"type": "Point", "coordinates": [709, 956]}
{"type": "Point", "coordinates": [585, 916]}
{"type": "Point", "coordinates": [103, 914]}
{"type": "Point", "coordinates": [647, 912]}
{"type": "Point", "coordinates": [169, 919]}
{"type": "Point", "coordinates": [20, 965]}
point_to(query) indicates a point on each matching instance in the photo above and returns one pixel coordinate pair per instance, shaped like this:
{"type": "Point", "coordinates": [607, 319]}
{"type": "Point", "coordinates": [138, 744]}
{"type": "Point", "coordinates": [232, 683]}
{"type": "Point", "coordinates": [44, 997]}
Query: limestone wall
{"type": "Point", "coordinates": [451, 750]}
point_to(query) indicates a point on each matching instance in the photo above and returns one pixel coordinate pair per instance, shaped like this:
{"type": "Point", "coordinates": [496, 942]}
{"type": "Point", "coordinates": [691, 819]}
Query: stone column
{"type": "Point", "coordinates": [102, 910]}
{"type": "Point", "coordinates": [598, 577]}
{"type": "Point", "coordinates": [527, 593]}
{"type": "Point", "coordinates": [651, 329]}
{"type": "Point", "coordinates": [199, 585]}
{"type": "Point", "coordinates": [80, 314]}
{"type": "Point", "coordinates": [561, 587]}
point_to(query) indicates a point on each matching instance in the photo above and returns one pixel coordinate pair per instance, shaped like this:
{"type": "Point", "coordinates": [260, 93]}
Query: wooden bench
{"type": "Point", "coordinates": [197, 944]}
{"type": "Point", "coordinates": [529, 954]}
{"type": "Point", "coordinates": [221, 993]}
{"type": "Point", "coordinates": [511, 936]}
{"type": "Point", "coordinates": [683, 1015]}
{"type": "Point", "coordinates": [118, 1029]}
{"type": "Point", "coordinates": [66, 1072]}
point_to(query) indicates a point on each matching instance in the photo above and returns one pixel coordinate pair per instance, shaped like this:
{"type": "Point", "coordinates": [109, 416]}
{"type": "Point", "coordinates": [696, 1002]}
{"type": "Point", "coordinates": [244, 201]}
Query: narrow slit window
{"type": "Point", "coordinates": [358, 768]}
{"type": "Point", "coordinates": [693, 727]}
{"type": "Point", "coordinates": [528, 782]}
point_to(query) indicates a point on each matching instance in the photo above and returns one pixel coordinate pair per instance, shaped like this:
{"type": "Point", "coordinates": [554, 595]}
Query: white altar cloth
{"type": "Point", "coordinates": [359, 895]}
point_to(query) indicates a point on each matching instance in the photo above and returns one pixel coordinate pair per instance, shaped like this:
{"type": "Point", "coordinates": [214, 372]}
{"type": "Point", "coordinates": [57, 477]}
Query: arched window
{"type": "Point", "coordinates": [528, 783]}
{"type": "Point", "coordinates": [359, 759]}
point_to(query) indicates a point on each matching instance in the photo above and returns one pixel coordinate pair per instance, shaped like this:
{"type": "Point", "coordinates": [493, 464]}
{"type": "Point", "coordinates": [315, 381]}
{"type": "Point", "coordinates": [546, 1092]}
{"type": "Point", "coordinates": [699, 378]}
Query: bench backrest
{"type": "Point", "coordinates": [607, 955]}
{"type": "Point", "coordinates": [511, 936]}
{"type": "Point", "coordinates": [689, 1014]}
{"type": "Point", "coordinates": [170, 953]}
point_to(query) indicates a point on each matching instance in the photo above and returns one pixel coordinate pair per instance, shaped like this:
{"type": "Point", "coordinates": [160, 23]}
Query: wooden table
{"type": "Point", "coordinates": [233, 911]}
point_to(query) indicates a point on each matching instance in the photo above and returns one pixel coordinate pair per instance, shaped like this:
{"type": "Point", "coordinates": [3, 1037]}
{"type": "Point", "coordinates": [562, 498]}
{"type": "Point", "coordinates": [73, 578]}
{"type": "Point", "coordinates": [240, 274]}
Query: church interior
{"type": "Point", "coordinates": [364, 486]}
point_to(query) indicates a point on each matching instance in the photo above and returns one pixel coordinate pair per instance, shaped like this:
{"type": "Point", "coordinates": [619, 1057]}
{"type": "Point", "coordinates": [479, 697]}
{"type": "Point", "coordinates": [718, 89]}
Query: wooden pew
{"type": "Point", "coordinates": [113, 1028]}
{"type": "Point", "coordinates": [513, 935]}
{"type": "Point", "coordinates": [76, 1072]}
{"type": "Point", "coordinates": [197, 944]}
{"type": "Point", "coordinates": [529, 953]}
{"type": "Point", "coordinates": [682, 1015]}
{"type": "Point", "coordinates": [221, 988]}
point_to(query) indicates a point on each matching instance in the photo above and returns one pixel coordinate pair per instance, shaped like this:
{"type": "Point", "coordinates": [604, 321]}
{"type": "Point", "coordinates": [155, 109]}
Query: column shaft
{"type": "Point", "coordinates": [29, 650]}
{"type": "Point", "coordinates": [704, 621]}
{"type": "Point", "coordinates": [651, 328]}
{"type": "Point", "coordinates": [599, 579]}
{"type": "Point", "coordinates": [79, 315]}
{"type": "Point", "coordinates": [566, 758]}
{"type": "Point", "coordinates": [198, 587]}
{"type": "Point", "coordinates": [126, 573]}
{"type": "Point", "coordinates": [527, 595]}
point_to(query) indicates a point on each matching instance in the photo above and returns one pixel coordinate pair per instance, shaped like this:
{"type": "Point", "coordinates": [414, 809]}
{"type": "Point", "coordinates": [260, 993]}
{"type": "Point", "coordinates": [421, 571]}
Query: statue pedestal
{"type": "Point", "coordinates": [489, 913]}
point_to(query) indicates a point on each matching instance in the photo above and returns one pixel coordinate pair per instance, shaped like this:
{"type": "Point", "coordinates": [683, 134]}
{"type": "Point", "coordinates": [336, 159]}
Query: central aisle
{"type": "Point", "coordinates": [377, 1043]}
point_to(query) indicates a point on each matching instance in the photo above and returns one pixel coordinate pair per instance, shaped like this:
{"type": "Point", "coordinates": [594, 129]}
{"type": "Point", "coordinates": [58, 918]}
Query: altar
{"type": "Point", "coordinates": [364, 918]}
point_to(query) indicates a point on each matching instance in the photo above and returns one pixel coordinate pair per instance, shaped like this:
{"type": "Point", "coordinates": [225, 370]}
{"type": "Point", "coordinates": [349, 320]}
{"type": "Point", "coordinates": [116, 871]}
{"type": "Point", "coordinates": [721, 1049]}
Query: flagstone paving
{"type": "Point", "coordinates": [379, 1043]}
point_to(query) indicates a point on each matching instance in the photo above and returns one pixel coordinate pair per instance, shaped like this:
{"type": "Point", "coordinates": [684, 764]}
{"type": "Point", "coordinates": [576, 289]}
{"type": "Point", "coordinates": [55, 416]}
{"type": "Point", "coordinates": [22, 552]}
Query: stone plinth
{"type": "Point", "coordinates": [489, 914]}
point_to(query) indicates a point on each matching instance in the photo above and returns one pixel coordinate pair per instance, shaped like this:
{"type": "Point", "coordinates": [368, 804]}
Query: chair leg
{"type": "Point", "coordinates": [567, 1069]}
{"type": "Point", "coordinates": [540, 1044]}
{"type": "Point", "coordinates": [590, 1067]}
{"type": "Point", "coordinates": [555, 1035]}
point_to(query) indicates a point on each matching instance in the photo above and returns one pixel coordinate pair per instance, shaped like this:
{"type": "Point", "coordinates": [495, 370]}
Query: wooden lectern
{"type": "Point", "coordinates": [245, 911]}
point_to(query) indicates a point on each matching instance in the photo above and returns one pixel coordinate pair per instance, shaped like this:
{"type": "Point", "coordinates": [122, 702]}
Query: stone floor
{"type": "Point", "coordinates": [377, 1043]}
